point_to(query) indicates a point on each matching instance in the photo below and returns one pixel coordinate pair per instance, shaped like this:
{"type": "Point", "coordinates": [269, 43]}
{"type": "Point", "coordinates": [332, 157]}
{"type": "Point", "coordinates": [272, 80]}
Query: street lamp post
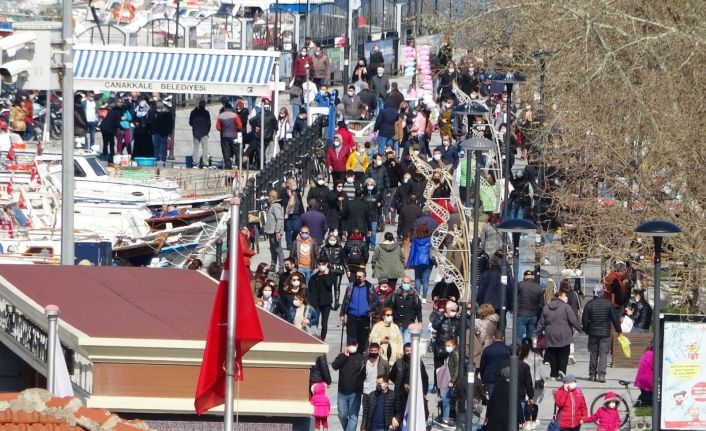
{"type": "Point", "coordinates": [509, 79]}
{"type": "Point", "coordinates": [476, 145]}
{"type": "Point", "coordinates": [516, 227]}
{"type": "Point", "coordinates": [415, 331]}
{"type": "Point", "coordinates": [657, 229]}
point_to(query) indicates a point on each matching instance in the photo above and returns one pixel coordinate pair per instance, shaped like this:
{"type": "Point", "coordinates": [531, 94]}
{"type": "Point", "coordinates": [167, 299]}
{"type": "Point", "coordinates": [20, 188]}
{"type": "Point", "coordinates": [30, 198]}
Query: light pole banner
{"type": "Point", "coordinates": [684, 376]}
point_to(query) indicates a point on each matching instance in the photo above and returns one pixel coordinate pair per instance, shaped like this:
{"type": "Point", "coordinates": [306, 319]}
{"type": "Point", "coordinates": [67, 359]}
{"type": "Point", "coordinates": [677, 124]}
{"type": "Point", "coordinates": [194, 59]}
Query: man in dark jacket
{"type": "Point", "coordinates": [598, 315]}
{"type": "Point", "coordinates": [530, 301]}
{"type": "Point", "coordinates": [378, 171]}
{"type": "Point", "coordinates": [359, 302]}
{"type": "Point", "coordinates": [269, 130]}
{"type": "Point", "coordinates": [109, 130]}
{"type": "Point", "coordinates": [639, 311]}
{"type": "Point", "coordinates": [320, 193]}
{"type": "Point", "coordinates": [319, 372]}
{"type": "Point", "coordinates": [395, 96]}
{"type": "Point", "coordinates": [409, 213]}
{"type": "Point", "coordinates": [200, 122]}
{"type": "Point", "coordinates": [351, 374]}
{"type": "Point", "coordinates": [385, 126]}
{"type": "Point", "coordinates": [380, 411]}
{"type": "Point", "coordinates": [491, 288]}
{"type": "Point", "coordinates": [449, 153]}
{"type": "Point", "coordinates": [491, 359]}
{"type": "Point", "coordinates": [406, 307]}
{"type": "Point", "coordinates": [367, 98]}
{"type": "Point", "coordinates": [446, 326]}
{"type": "Point", "coordinates": [379, 85]}
{"type": "Point", "coordinates": [359, 214]}
{"type": "Point", "coordinates": [315, 220]}
{"type": "Point", "coordinates": [399, 375]}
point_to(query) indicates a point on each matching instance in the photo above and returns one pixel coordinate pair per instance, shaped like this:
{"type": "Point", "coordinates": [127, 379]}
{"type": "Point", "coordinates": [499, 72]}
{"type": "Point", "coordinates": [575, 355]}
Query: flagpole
{"type": "Point", "coordinates": [415, 330]}
{"type": "Point", "coordinates": [232, 289]}
{"type": "Point", "coordinates": [52, 313]}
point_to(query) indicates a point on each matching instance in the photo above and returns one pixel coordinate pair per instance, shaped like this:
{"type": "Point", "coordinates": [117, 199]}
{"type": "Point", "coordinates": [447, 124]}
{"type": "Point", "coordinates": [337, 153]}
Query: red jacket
{"type": "Point", "coordinates": [244, 248]}
{"type": "Point", "coordinates": [572, 407]}
{"type": "Point", "coordinates": [608, 419]}
{"type": "Point", "coordinates": [300, 68]}
{"type": "Point", "coordinates": [348, 141]}
{"type": "Point", "coordinates": [337, 163]}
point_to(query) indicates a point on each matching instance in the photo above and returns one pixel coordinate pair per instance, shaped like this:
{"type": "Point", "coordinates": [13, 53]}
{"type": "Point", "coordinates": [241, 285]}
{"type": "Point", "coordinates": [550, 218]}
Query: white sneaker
{"type": "Point", "coordinates": [424, 300]}
{"type": "Point", "coordinates": [535, 424]}
{"type": "Point", "coordinates": [572, 361]}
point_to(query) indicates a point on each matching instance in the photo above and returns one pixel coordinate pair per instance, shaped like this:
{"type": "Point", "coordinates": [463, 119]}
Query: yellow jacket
{"type": "Point", "coordinates": [357, 162]}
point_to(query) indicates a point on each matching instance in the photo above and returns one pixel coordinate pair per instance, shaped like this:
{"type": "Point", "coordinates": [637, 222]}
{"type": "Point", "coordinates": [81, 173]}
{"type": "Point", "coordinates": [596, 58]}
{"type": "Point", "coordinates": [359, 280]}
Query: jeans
{"type": "Point", "coordinates": [292, 224]}
{"type": "Point", "coordinates": [598, 347]}
{"type": "Point", "coordinates": [423, 145]}
{"type": "Point", "coordinates": [159, 143]}
{"type": "Point", "coordinates": [348, 407]}
{"type": "Point", "coordinates": [295, 109]}
{"type": "Point", "coordinates": [373, 233]}
{"type": "Point", "coordinates": [306, 272]}
{"type": "Point", "coordinates": [406, 336]}
{"type": "Point", "coordinates": [421, 279]}
{"type": "Point", "coordinates": [383, 142]}
{"type": "Point", "coordinates": [200, 150]}
{"type": "Point", "coordinates": [92, 133]}
{"type": "Point", "coordinates": [380, 105]}
{"type": "Point", "coordinates": [276, 254]}
{"type": "Point", "coordinates": [446, 404]}
{"type": "Point", "coordinates": [525, 324]}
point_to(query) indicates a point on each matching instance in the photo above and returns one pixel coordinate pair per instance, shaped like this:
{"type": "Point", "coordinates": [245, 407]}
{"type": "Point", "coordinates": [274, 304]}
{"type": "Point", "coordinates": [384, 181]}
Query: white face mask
{"type": "Point", "coordinates": [320, 182]}
{"type": "Point", "coordinates": [448, 280]}
{"type": "Point", "coordinates": [350, 180]}
{"type": "Point", "coordinates": [388, 319]}
{"type": "Point", "coordinates": [449, 349]}
{"type": "Point", "coordinates": [303, 53]}
{"type": "Point", "coordinates": [452, 70]}
{"type": "Point", "coordinates": [351, 93]}
{"type": "Point", "coordinates": [446, 143]}
{"type": "Point", "coordinates": [383, 287]}
{"type": "Point", "coordinates": [296, 283]}
{"type": "Point", "coordinates": [437, 157]}
{"type": "Point", "coordinates": [266, 294]}
{"type": "Point", "coordinates": [371, 187]}
{"type": "Point", "coordinates": [339, 189]}
{"type": "Point", "coordinates": [336, 143]}
{"type": "Point", "coordinates": [332, 241]}
{"type": "Point", "coordinates": [415, 152]}
{"type": "Point", "coordinates": [322, 268]}
{"type": "Point", "coordinates": [380, 74]}
{"type": "Point", "coordinates": [612, 404]}
{"type": "Point", "coordinates": [451, 313]}
{"type": "Point", "coordinates": [405, 180]}
{"type": "Point", "coordinates": [378, 162]}
{"type": "Point", "coordinates": [572, 386]}
{"type": "Point", "coordinates": [352, 349]}
{"type": "Point", "coordinates": [297, 303]}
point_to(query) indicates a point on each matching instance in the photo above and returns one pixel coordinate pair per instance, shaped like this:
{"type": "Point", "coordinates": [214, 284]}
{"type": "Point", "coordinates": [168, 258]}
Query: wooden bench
{"type": "Point", "coordinates": [638, 344]}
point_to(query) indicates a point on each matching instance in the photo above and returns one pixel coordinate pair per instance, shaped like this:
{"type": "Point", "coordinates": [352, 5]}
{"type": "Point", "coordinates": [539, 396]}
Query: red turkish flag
{"type": "Point", "coordinates": [210, 391]}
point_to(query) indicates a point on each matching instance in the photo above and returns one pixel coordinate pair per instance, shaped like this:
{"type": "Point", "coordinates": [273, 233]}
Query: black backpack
{"type": "Point", "coordinates": [355, 255]}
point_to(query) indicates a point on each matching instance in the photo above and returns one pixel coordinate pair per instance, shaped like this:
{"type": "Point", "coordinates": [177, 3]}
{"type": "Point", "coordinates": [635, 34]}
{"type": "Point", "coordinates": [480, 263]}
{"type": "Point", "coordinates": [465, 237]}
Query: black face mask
{"type": "Point", "coordinates": [407, 356]}
{"type": "Point", "coordinates": [360, 280]}
{"type": "Point", "coordinates": [373, 355]}
{"type": "Point", "coordinates": [380, 388]}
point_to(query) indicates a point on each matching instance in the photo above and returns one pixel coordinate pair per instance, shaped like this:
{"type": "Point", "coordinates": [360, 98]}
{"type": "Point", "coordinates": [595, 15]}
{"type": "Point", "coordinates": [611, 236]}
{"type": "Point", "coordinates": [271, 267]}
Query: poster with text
{"type": "Point", "coordinates": [684, 376]}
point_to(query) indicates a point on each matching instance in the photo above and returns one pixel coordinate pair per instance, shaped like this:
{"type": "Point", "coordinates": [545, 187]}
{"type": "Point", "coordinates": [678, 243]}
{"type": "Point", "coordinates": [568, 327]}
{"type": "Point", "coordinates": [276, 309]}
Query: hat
{"type": "Point", "coordinates": [383, 280]}
{"type": "Point", "coordinates": [302, 110]}
{"type": "Point", "coordinates": [159, 105]}
{"type": "Point", "coordinates": [610, 396]}
{"type": "Point", "coordinates": [351, 341]}
{"type": "Point", "coordinates": [528, 272]}
{"type": "Point", "coordinates": [569, 378]}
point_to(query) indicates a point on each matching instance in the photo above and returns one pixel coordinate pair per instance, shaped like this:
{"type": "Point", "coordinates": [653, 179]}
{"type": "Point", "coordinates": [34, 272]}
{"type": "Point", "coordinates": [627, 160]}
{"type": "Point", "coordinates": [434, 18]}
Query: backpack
{"type": "Point", "coordinates": [355, 255]}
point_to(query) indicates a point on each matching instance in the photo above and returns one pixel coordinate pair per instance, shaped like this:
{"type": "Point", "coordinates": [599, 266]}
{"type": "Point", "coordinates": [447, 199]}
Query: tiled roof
{"type": "Point", "coordinates": [38, 410]}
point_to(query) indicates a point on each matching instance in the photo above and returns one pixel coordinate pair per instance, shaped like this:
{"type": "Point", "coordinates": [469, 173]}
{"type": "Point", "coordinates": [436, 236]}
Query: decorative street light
{"type": "Point", "coordinates": [476, 145]}
{"type": "Point", "coordinates": [657, 229]}
{"type": "Point", "coordinates": [516, 227]}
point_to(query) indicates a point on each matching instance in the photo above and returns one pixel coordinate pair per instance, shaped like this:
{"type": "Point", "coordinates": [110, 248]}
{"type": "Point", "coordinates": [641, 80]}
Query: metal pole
{"type": "Point", "coordinates": [67, 150]}
{"type": "Point", "coordinates": [348, 50]}
{"type": "Point", "coordinates": [472, 289]}
{"type": "Point", "coordinates": [176, 29]}
{"type": "Point", "coordinates": [462, 350]}
{"type": "Point", "coordinates": [506, 197]}
{"type": "Point", "coordinates": [306, 31]}
{"type": "Point", "coordinates": [46, 133]}
{"type": "Point", "coordinates": [52, 313]}
{"type": "Point", "coordinates": [275, 37]}
{"type": "Point", "coordinates": [415, 331]}
{"type": "Point", "coordinates": [514, 397]}
{"type": "Point", "coordinates": [262, 134]}
{"type": "Point", "coordinates": [232, 295]}
{"type": "Point", "coordinates": [657, 360]}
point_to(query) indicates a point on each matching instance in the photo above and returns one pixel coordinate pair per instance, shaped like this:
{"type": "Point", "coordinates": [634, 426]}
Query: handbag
{"type": "Point", "coordinates": [554, 423]}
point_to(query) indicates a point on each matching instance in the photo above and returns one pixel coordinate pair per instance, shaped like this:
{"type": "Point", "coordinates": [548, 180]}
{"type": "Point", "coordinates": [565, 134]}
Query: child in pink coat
{"type": "Point", "coordinates": [322, 405]}
{"type": "Point", "coordinates": [607, 416]}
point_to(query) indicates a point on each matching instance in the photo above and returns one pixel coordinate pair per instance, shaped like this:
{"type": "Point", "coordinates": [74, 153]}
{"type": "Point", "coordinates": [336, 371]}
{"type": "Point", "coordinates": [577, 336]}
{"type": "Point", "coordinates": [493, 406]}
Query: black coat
{"type": "Point", "coordinates": [321, 194]}
{"type": "Point", "coordinates": [320, 289]}
{"type": "Point", "coordinates": [408, 215]}
{"type": "Point", "coordinates": [530, 298]}
{"type": "Point", "coordinates": [365, 254]}
{"type": "Point", "coordinates": [358, 216]}
{"type": "Point", "coordinates": [524, 379]}
{"type": "Point", "coordinates": [333, 254]}
{"type": "Point", "coordinates": [200, 122]}
{"type": "Point", "coordinates": [443, 290]}
{"type": "Point", "coordinates": [336, 209]}
{"type": "Point", "coordinates": [445, 327]}
{"type": "Point", "coordinates": [111, 122]}
{"type": "Point", "coordinates": [351, 373]}
{"type": "Point", "coordinates": [319, 372]}
{"type": "Point", "coordinates": [391, 409]}
{"type": "Point", "coordinates": [163, 124]}
{"type": "Point", "coordinates": [642, 314]}
{"type": "Point", "coordinates": [598, 315]}
{"type": "Point", "coordinates": [406, 309]}
{"type": "Point", "coordinates": [395, 172]}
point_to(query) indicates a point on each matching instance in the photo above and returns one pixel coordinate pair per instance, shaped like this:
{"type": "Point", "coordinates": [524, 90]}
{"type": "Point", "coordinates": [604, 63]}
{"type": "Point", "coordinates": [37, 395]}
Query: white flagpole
{"type": "Point", "coordinates": [232, 289]}
{"type": "Point", "coordinates": [416, 418]}
{"type": "Point", "coordinates": [52, 313]}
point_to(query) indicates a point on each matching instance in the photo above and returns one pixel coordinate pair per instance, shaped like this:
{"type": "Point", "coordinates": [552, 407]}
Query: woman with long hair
{"type": "Point", "coordinates": [420, 260]}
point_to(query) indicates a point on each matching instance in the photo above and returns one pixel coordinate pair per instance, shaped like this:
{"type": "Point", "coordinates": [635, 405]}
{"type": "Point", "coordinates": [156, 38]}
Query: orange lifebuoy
{"type": "Point", "coordinates": [120, 16]}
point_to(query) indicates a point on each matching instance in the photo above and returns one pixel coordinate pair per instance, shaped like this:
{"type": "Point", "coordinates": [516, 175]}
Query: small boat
{"type": "Point", "coordinates": [187, 217]}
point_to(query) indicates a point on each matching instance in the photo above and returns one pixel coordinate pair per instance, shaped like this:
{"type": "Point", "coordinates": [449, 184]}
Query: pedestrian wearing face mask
{"type": "Point", "coordinates": [332, 252]}
{"type": "Point", "coordinates": [420, 260]}
{"type": "Point", "coordinates": [270, 302]}
{"type": "Point", "coordinates": [375, 365]}
{"type": "Point", "coordinates": [606, 417]}
{"type": "Point", "coordinates": [291, 200]}
{"type": "Point", "coordinates": [381, 411]}
{"type": "Point", "coordinates": [373, 198]}
{"type": "Point", "coordinates": [399, 375]}
{"type": "Point", "coordinates": [418, 127]}
{"type": "Point", "coordinates": [319, 193]}
{"type": "Point", "coordinates": [380, 85]}
{"type": "Point", "coordinates": [321, 67]}
{"type": "Point", "coordinates": [305, 252]}
{"type": "Point", "coordinates": [336, 158]}
{"type": "Point", "coordinates": [445, 326]}
{"type": "Point", "coordinates": [406, 307]}
{"type": "Point", "coordinates": [557, 321]}
{"type": "Point", "coordinates": [388, 260]}
{"type": "Point", "coordinates": [570, 404]}
{"type": "Point", "coordinates": [337, 209]}
{"type": "Point", "coordinates": [350, 365]}
{"type": "Point", "coordinates": [320, 293]}
{"type": "Point", "coordinates": [449, 153]}
{"type": "Point", "coordinates": [301, 62]}
{"type": "Point", "coordinates": [293, 286]}
{"type": "Point", "coordinates": [350, 102]}
{"type": "Point", "coordinates": [302, 315]}
{"type": "Point", "coordinates": [388, 336]}
{"type": "Point", "coordinates": [384, 291]}
{"type": "Point", "coordinates": [315, 220]}
{"type": "Point", "coordinates": [379, 173]}
{"type": "Point", "coordinates": [359, 303]}
{"type": "Point", "coordinates": [445, 289]}
{"type": "Point", "coordinates": [358, 162]}
{"type": "Point", "coordinates": [447, 380]}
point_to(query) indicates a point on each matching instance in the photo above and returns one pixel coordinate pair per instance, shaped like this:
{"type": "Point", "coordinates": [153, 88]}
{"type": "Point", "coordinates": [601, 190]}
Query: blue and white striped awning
{"type": "Point", "coordinates": [196, 71]}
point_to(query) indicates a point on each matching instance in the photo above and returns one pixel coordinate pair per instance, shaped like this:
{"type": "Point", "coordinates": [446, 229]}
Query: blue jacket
{"type": "Point", "coordinates": [419, 252]}
{"type": "Point", "coordinates": [309, 313]}
{"type": "Point", "coordinates": [449, 155]}
{"type": "Point", "coordinates": [385, 122]}
{"type": "Point", "coordinates": [492, 356]}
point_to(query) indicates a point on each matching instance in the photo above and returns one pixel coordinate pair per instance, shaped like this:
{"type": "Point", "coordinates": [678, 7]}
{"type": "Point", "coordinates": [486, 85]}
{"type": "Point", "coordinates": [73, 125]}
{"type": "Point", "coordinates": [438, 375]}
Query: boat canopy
{"type": "Point", "coordinates": [170, 70]}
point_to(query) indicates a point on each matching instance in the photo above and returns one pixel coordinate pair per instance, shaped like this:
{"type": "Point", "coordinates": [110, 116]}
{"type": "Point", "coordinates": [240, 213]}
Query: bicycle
{"type": "Point", "coordinates": [623, 405]}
